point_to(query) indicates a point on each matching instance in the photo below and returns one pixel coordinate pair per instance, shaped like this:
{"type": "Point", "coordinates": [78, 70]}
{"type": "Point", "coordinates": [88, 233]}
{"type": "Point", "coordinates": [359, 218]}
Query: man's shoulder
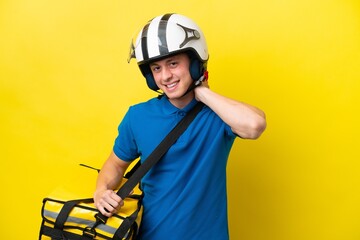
{"type": "Point", "coordinates": [151, 105]}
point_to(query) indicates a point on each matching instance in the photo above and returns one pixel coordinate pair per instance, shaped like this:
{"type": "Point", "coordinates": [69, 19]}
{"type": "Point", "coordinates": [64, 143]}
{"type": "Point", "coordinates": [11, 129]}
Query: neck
{"type": "Point", "coordinates": [183, 101]}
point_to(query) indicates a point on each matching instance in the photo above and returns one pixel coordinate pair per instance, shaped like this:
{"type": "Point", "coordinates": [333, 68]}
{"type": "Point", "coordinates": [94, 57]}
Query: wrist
{"type": "Point", "coordinates": [201, 92]}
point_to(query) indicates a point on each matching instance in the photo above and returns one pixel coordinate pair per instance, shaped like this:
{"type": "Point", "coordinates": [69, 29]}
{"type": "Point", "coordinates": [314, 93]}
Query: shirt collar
{"type": "Point", "coordinates": [169, 108]}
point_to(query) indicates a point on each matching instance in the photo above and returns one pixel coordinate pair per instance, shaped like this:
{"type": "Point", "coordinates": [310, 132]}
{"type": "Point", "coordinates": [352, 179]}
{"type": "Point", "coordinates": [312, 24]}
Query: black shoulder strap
{"type": "Point", "coordinates": [155, 156]}
{"type": "Point", "coordinates": [159, 151]}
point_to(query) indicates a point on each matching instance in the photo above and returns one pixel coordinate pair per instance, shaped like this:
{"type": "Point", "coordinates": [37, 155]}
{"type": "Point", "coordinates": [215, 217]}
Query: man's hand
{"type": "Point", "coordinates": [198, 89]}
{"type": "Point", "coordinates": [107, 202]}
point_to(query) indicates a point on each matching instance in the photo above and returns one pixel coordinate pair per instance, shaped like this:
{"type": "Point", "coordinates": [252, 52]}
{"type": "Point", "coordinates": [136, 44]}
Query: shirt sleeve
{"type": "Point", "coordinates": [125, 146]}
{"type": "Point", "coordinates": [229, 132]}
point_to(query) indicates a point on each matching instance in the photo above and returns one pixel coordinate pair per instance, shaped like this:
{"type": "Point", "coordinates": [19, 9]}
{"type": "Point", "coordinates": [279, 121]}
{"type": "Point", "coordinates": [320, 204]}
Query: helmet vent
{"type": "Point", "coordinates": [190, 34]}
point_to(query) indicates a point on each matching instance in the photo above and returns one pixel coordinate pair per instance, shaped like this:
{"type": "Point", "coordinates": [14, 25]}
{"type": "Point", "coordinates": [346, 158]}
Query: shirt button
{"type": "Point", "coordinates": [182, 113]}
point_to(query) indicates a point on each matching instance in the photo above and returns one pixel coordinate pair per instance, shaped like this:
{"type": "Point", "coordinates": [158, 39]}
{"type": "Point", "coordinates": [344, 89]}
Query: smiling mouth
{"type": "Point", "coordinates": [172, 85]}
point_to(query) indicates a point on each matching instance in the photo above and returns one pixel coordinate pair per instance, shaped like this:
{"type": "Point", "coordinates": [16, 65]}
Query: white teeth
{"type": "Point", "coordinates": [171, 85]}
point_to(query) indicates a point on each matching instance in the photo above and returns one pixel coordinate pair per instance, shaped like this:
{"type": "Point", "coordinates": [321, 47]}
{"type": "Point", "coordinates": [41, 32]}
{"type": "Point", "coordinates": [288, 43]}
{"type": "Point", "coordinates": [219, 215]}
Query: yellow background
{"type": "Point", "coordinates": [65, 85]}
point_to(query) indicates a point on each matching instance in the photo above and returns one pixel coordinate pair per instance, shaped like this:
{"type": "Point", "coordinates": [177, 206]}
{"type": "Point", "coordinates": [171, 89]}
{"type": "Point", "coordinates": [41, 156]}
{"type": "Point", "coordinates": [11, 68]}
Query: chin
{"type": "Point", "coordinates": [173, 95]}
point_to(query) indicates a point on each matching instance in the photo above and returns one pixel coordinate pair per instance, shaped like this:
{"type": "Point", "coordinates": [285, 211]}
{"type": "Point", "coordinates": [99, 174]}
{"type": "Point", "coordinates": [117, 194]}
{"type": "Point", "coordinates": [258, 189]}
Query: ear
{"type": "Point", "coordinates": [196, 68]}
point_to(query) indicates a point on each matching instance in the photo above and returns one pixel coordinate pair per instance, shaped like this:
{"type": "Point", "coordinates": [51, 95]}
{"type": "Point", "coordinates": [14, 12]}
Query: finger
{"type": "Point", "coordinates": [113, 203]}
{"type": "Point", "coordinates": [114, 196]}
{"type": "Point", "coordinates": [110, 209]}
{"type": "Point", "coordinates": [104, 211]}
{"type": "Point", "coordinates": [117, 209]}
{"type": "Point", "coordinates": [116, 203]}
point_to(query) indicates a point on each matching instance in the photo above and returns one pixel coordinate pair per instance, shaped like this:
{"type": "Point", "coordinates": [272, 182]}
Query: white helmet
{"type": "Point", "coordinates": [167, 35]}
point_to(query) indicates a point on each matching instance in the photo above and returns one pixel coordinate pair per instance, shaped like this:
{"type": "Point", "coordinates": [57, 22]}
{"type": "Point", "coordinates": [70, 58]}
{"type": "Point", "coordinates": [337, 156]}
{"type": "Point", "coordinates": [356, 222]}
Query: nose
{"type": "Point", "coordinates": [166, 73]}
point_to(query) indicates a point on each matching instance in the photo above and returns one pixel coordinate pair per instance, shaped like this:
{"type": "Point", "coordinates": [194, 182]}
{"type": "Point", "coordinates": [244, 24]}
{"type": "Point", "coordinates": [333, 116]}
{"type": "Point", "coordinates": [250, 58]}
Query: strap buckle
{"type": "Point", "coordinates": [101, 218]}
{"type": "Point", "coordinates": [89, 233]}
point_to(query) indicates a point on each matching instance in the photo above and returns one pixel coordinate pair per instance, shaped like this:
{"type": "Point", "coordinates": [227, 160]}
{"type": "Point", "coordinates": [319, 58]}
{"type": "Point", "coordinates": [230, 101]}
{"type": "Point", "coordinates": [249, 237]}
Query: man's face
{"type": "Point", "coordinates": [172, 75]}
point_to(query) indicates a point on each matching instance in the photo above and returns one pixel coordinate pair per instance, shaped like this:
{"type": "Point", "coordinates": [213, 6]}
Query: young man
{"type": "Point", "coordinates": [185, 192]}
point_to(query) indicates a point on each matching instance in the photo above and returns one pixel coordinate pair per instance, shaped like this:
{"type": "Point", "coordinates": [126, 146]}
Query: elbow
{"type": "Point", "coordinates": [254, 129]}
{"type": "Point", "coordinates": [258, 128]}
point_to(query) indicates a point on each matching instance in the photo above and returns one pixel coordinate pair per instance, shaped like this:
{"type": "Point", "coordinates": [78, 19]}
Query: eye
{"type": "Point", "coordinates": [155, 68]}
{"type": "Point", "coordinates": [173, 64]}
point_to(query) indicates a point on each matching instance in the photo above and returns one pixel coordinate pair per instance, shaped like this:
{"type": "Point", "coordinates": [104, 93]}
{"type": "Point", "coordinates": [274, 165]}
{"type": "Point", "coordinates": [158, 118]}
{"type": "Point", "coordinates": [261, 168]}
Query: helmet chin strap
{"type": "Point", "coordinates": [194, 84]}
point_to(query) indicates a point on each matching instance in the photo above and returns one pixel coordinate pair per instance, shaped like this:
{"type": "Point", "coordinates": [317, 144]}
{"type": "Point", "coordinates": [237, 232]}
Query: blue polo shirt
{"type": "Point", "coordinates": [185, 192]}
